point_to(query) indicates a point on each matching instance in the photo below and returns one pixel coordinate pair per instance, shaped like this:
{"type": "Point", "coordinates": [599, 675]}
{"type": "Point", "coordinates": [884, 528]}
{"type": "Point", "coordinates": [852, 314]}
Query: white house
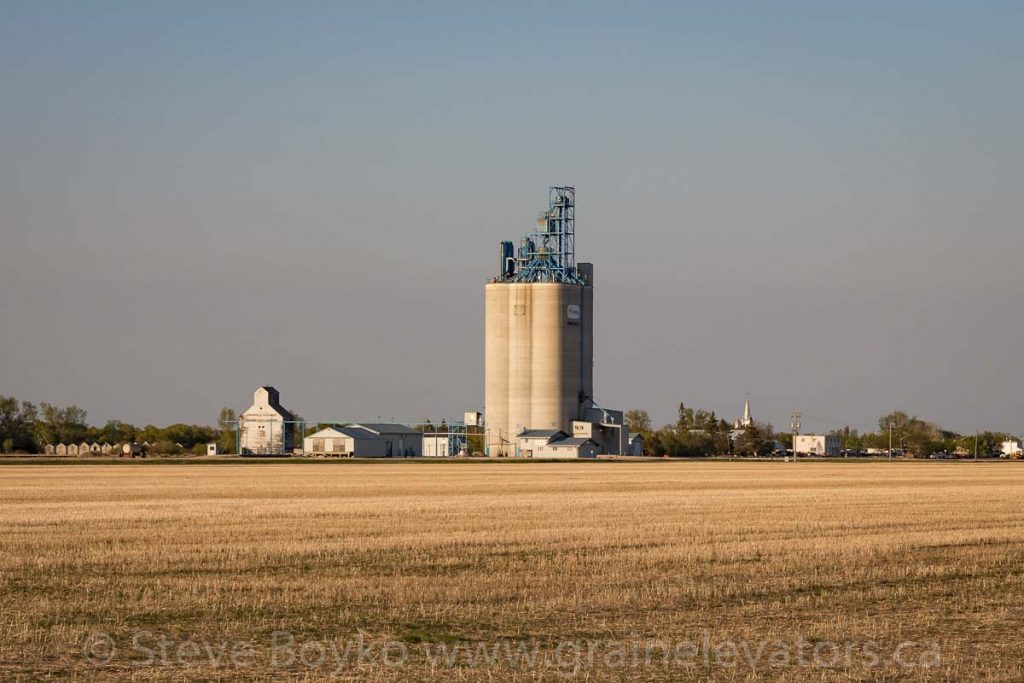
{"type": "Point", "coordinates": [553, 443]}
{"type": "Point", "coordinates": [266, 428]}
{"type": "Point", "coordinates": [816, 444]}
{"type": "Point", "coordinates": [1010, 448]}
{"type": "Point", "coordinates": [345, 442]}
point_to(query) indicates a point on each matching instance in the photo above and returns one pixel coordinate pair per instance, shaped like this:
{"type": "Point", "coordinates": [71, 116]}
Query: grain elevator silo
{"type": "Point", "coordinates": [539, 346]}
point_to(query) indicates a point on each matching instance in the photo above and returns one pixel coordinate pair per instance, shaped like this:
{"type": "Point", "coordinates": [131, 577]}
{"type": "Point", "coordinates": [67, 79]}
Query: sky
{"type": "Point", "coordinates": [816, 205]}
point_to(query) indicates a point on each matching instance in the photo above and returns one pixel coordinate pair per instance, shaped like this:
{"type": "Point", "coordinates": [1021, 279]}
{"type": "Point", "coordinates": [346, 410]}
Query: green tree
{"type": "Point", "coordinates": [849, 439]}
{"type": "Point", "coordinates": [300, 428]}
{"type": "Point", "coordinates": [189, 435]}
{"type": "Point", "coordinates": [685, 421]}
{"type": "Point", "coordinates": [909, 434]}
{"type": "Point", "coordinates": [688, 443]}
{"type": "Point", "coordinates": [639, 421]}
{"type": "Point", "coordinates": [706, 420]}
{"type": "Point", "coordinates": [151, 434]}
{"type": "Point", "coordinates": [987, 443]}
{"type": "Point", "coordinates": [115, 431]}
{"type": "Point", "coordinates": [475, 440]}
{"type": "Point", "coordinates": [755, 440]}
{"type": "Point", "coordinates": [227, 439]}
{"type": "Point", "coordinates": [653, 444]}
{"type": "Point", "coordinates": [899, 422]}
{"type": "Point", "coordinates": [923, 438]}
{"type": "Point", "coordinates": [165, 447]}
{"type": "Point", "coordinates": [17, 423]}
{"type": "Point", "coordinates": [60, 425]}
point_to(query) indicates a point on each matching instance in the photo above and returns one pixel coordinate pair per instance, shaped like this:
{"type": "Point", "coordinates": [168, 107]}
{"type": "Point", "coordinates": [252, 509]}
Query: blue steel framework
{"type": "Point", "coordinates": [546, 255]}
{"type": "Point", "coordinates": [549, 253]}
{"type": "Point", "coordinates": [457, 435]}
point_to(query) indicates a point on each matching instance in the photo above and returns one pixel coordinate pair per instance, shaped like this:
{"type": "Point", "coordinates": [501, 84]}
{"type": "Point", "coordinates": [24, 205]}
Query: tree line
{"type": "Point", "coordinates": [27, 428]}
{"type": "Point", "coordinates": [701, 433]}
{"type": "Point", "coordinates": [911, 434]}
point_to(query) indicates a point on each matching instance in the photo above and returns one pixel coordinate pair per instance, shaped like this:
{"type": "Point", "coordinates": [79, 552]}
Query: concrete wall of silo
{"type": "Point", "coordinates": [538, 359]}
{"type": "Point", "coordinates": [496, 370]}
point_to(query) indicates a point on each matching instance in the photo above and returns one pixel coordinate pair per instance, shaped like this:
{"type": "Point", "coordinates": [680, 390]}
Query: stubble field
{"type": "Point", "coordinates": [513, 571]}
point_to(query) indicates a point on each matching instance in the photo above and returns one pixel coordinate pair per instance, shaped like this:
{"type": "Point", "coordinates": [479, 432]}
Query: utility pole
{"type": "Point", "coordinates": [975, 445]}
{"type": "Point", "coordinates": [795, 425]}
{"type": "Point", "coordinates": [890, 440]}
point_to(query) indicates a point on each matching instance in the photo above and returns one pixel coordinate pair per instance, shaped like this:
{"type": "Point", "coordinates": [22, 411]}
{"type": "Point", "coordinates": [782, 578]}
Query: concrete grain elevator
{"type": "Point", "coordinates": [539, 344]}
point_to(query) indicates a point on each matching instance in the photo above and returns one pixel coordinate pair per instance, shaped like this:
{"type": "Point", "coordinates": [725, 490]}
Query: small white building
{"type": "Point", "coordinates": [211, 449]}
{"type": "Point", "coordinates": [344, 442]}
{"type": "Point", "coordinates": [266, 428]}
{"type": "Point", "coordinates": [1011, 448]}
{"type": "Point", "coordinates": [553, 443]}
{"type": "Point", "coordinates": [816, 444]}
{"type": "Point", "coordinates": [438, 445]}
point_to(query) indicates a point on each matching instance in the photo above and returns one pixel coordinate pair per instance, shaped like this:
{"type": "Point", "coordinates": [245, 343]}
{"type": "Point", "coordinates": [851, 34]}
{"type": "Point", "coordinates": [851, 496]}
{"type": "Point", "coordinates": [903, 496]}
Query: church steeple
{"type": "Point", "coordinates": [747, 420]}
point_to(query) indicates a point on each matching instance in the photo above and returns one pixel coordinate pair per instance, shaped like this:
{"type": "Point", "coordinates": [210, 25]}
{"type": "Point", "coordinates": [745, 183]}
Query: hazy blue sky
{"type": "Point", "coordinates": [814, 203]}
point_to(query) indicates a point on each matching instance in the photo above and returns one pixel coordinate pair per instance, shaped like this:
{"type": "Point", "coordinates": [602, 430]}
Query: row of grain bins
{"type": "Point", "coordinates": [86, 448]}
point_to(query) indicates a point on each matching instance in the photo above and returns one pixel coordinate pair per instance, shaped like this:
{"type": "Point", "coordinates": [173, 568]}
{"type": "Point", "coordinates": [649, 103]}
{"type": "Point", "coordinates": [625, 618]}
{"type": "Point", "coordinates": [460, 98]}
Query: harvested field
{"type": "Point", "coordinates": [513, 571]}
